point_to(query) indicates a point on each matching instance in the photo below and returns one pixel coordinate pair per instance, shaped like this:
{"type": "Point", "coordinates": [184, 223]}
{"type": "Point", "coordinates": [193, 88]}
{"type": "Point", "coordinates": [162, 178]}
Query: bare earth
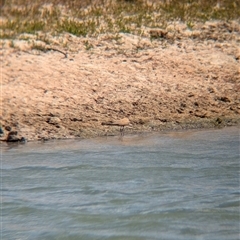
{"type": "Point", "coordinates": [191, 82]}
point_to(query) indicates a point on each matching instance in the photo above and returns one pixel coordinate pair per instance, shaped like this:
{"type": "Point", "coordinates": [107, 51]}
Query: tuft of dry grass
{"type": "Point", "coordinates": [92, 17]}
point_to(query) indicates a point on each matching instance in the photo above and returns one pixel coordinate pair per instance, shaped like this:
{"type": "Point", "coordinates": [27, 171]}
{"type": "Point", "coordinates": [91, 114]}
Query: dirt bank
{"type": "Point", "coordinates": [158, 84]}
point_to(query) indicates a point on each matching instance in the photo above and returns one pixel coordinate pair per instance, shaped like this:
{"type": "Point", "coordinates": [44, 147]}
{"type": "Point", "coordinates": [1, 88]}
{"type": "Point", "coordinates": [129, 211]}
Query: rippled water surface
{"type": "Point", "coordinates": [179, 185]}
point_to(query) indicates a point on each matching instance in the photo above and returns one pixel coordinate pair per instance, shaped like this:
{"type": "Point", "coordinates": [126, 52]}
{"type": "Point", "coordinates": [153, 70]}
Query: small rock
{"type": "Point", "coordinates": [8, 128]}
{"type": "Point", "coordinates": [12, 137]}
{"type": "Point", "coordinates": [224, 99]}
{"type": "Point", "coordinates": [54, 120]}
{"type": "Point", "coordinates": [22, 140]}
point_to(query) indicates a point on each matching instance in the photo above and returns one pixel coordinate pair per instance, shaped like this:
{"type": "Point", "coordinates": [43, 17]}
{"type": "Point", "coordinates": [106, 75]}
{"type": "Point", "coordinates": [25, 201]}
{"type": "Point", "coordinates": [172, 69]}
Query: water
{"type": "Point", "coordinates": [182, 185]}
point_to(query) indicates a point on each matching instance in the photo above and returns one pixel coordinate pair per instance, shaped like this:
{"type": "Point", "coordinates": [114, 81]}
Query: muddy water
{"type": "Point", "coordinates": [179, 185]}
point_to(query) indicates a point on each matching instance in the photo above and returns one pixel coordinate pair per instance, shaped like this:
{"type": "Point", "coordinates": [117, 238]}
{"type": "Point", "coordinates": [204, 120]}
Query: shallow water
{"type": "Point", "coordinates": [179, 185]}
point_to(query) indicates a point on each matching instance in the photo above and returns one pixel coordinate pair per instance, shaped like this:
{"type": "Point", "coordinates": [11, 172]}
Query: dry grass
{"type": "Point", "coordinates": [91, 18]}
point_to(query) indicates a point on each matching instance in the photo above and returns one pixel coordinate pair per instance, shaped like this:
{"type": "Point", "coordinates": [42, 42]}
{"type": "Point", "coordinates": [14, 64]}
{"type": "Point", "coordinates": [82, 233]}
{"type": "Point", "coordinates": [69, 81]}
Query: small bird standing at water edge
{"type": "Point", "coordinates": [121, 123]}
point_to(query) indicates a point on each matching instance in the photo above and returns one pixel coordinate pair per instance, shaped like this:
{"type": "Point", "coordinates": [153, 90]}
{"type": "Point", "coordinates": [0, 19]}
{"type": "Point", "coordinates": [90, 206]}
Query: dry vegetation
{"type": "Point", "coordinates": [91, 18]}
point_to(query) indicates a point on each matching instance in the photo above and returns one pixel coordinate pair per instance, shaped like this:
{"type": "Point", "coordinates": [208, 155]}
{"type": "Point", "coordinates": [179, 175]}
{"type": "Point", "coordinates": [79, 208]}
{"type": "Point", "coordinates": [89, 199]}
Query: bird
{"type": "Point", "coordinates": [121, 123]}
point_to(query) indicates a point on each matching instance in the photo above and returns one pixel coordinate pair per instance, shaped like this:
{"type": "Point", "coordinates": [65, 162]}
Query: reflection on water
{"type": "Point", "coordinates": [178, 185]}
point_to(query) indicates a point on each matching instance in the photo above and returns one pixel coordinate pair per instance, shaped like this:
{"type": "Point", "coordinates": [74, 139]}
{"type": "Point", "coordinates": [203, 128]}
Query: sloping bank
{"type": "Point", "coordinates": [191, 82]}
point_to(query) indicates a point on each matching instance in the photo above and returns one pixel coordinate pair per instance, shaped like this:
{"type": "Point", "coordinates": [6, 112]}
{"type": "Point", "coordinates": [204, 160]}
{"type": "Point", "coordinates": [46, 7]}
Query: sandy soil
{"type": "Point", "coordinates": [190, 81]}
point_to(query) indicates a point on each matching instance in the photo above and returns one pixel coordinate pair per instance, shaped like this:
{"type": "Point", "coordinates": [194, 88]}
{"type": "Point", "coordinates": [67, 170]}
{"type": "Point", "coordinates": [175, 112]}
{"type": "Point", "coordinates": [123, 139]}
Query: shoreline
{"type": "Point", "coordinates": [212, 124]}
